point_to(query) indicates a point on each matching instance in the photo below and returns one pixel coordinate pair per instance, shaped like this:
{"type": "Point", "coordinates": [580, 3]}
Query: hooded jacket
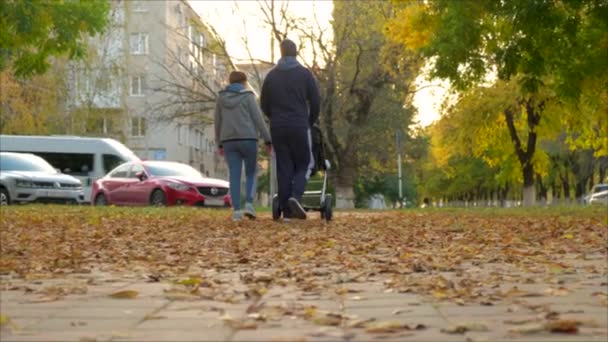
{"type": "Point", "coordinates": [237, 117]}
{"type": "Point", "coordinates": [290, 96]}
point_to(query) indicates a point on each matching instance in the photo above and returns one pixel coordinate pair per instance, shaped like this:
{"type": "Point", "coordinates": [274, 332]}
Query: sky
{"type": "Point", "coordinates": [234, 24]}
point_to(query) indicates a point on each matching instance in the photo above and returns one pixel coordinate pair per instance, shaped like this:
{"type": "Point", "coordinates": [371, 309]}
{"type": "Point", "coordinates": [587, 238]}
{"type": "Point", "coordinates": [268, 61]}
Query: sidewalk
{"type": "Point", "coordinates": [244, 306]}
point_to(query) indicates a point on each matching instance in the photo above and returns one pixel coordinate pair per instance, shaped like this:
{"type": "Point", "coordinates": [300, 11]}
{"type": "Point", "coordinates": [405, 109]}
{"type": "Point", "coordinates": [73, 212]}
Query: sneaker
{"type": "Point", "coordinates": [249, 211]}
{"type": "Point", "coordinates": [296, 209]}
{"type": "Point", "coordinates": [237, 216]}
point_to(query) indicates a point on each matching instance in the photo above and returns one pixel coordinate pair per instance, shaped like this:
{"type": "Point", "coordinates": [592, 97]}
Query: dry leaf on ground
{"type": "Point", "coordinates": [126, 294]}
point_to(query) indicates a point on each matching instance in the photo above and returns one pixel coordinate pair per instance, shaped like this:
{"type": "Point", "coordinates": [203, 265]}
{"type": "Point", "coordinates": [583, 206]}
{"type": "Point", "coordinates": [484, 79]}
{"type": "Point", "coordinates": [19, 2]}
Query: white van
{"type": "Point", "coordinates": [84, 158]}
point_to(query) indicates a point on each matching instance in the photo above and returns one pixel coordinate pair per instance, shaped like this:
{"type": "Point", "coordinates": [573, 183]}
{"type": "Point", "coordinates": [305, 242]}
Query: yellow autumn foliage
{"type": "Point", "coordinates": [412, 25]}
{"type": "Point", "coordinates": [27, 106]}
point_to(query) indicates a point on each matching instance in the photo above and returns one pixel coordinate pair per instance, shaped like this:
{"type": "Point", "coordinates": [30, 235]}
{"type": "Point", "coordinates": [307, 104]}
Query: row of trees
{"type": "Point", "coordinates": [531, 109]}
{"type": "Point", "coordinates": [528, 112]}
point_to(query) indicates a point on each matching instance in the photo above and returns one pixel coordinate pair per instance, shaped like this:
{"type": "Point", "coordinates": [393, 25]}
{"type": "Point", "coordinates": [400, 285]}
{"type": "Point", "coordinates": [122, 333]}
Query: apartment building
{"type": "Point", "coordinates": [150, 80]}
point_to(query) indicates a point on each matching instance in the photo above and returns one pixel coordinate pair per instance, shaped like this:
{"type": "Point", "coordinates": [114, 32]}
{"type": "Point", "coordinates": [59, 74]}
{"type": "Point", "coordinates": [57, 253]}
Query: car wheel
{"type": "Point", "coordinates": [5, 199]}
{"type": "Point", "coordinates": [158, 198]}
{"type": "Point", "coordinates": [100, 200]}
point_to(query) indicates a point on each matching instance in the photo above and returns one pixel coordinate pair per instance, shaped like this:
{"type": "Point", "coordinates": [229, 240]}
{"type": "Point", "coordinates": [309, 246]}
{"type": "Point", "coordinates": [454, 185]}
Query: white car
{"type": "Point", "coordinates": [25, 177]}
{"type": "Point", "coordinates": [598, 195]}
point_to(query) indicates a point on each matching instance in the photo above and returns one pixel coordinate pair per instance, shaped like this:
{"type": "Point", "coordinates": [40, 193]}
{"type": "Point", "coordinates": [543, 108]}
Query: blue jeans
{"type": "Point", "coordinates": [236, 153]}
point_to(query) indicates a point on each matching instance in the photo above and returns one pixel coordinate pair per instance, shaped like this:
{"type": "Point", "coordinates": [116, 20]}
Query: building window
{"type": "Point", "coordinates": [137, 86]}
{"type": "Point", "coordinates": [139, 6]}
{"type": "Point", "coordinates": [139, 43]}
{"type": "Point", "coordinates": [197, 43]}
{"type": "Point", "coordinates": [138, 126]}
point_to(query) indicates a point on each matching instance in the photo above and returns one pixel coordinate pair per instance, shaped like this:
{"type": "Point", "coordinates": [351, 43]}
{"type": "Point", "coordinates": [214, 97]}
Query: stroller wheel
{"type": "Point", "coordinates": [326, 211]}
{"type": "Point", "coordinates": [276, 211]}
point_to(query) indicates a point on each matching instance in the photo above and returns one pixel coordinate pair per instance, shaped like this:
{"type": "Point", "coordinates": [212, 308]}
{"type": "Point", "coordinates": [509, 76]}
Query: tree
{"type": "Point", "coordinates": [542, 45]}
{"type": "Point", "coordinates": [34, 30]}
{"type": "Point", "coordinates": [30, 106]}
{"type": "Point", "coordinates": [364, 87]}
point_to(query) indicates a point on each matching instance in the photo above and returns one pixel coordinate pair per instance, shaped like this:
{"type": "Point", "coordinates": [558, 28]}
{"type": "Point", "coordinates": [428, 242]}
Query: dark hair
{"type": "Point", "coordinates": [237, 77]}
{"type": "Point", "coordinates": [288, 48]}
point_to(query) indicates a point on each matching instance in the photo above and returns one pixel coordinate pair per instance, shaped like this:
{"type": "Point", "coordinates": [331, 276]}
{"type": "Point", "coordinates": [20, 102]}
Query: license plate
{"type": "Point", "coordinates": [214, 202]}
{"type": "Point", "coordinates": [52, 193]}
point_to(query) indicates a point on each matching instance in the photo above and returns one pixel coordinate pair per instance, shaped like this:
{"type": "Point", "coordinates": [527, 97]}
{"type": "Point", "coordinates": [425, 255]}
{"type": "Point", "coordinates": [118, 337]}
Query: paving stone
{"type": "Point", "coordinates": [56, 336]}
{"type": "Point", "coordinates": [93, 325]}
{"type": "Point", "coordinates": [322, 304]}
{"type": "Point", "coordinates": [19, 324]}
{"type": "Point", "coordinates": [103, 302]}
{"type": "Point", "coordinates": [149, 289]}
{"type": "Point", "coordinates": [116, 312]}
{"type": "Point", "coordinates": [17, 312]}
{"type": "Point", "coordinates": [276, 334]}
{"type": "Point", "coordinates": [449, 310]}
{"type": "Point", "coordinates": [176, 335]}
{"type": "Point", "coordinates": [182, 324]}
{"type": "Point", "coordinates": [430, 335]}
{"type": "Point", "coordinates": [393, 312]}
{"type": "Point", "coordinates": [382, 300]}
{"type": "Point", "coordinates": [188, 314]}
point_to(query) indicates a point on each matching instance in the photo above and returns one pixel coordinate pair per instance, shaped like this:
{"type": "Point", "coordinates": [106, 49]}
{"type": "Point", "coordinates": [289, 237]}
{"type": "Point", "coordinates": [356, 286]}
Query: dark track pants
{"type": "Point", "coordinates": [292, 148]}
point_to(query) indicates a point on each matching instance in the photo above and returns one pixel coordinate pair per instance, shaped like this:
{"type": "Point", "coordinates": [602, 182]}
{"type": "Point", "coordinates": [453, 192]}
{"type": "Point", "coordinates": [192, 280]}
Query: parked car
{"type": "Point", "coordinates": [159, 183]}
{"type": "Point", "coordinates": [85, 158]}
{"type": "Point", "coordinates": [25, 177]}
{"type": "Point", "coordinates": [598, 195]}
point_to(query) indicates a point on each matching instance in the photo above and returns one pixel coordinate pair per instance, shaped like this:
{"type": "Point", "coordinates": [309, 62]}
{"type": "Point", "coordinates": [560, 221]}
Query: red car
{"type": "Point", "coordinates": [159, 183]}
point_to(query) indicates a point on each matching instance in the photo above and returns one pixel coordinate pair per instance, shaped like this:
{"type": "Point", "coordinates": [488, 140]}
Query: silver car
{"type": "Point", "coordinates": [597, 195]}
{"type": "Point", "coordinates": [25, 177]}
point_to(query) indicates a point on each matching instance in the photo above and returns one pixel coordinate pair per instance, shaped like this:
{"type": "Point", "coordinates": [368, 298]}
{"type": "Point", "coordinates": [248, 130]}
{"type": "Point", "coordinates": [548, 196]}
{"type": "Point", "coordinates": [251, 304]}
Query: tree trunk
{"type": "Point", "coordinates": [345, 193]}
{"type": "Point", "coordinates": [603, 161]}
{"type": "Point", "coordinates": [542, 190]}
{"type": "Point", "coordinates": [526, 155]}
{"type": "Point", "coordinates": [529, 196]}
{"type": "Point", "coordinates": [556, 192]}
{"type": "Point", "coordinates": [566, 188]}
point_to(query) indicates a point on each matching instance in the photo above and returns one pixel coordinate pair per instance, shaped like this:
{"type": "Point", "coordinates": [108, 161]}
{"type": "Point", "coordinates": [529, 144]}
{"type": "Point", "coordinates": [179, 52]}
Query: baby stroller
{"type": "Point", "coordinates": [315, 197]}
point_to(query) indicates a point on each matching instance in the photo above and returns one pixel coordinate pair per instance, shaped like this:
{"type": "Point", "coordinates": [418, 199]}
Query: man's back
{"type": "Point", "coordinates": [290, 95]}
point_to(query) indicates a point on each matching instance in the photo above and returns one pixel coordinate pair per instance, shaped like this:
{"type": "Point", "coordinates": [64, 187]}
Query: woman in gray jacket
{"type": "Point", "coordinates": [237, 122]}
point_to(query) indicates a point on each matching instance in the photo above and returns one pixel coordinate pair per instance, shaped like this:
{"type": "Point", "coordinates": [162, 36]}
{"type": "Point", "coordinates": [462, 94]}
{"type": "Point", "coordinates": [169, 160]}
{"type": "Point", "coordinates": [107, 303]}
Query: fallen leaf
{"type": "Point", "coordinates": [4, 320]}
{"type": "Point", "coordinates": [360, 323]}
{"type": "Point", "coordinates": [521, 321]}
{"type": "Point", "coordinates": [461, 328]}
{"type": "Point", "coordinates": [516, 292]}
{"type": "Point", "coordinates": [327, 319]}
{"type": "Point", "coordinates": [528, 329]}
{"type": "Point", "coordinates": [391, 327]}
{"type": "Point", "coordinates": [400, 311]}
{"type": "Point", "coordinates": [563, 326]}
{"type": "Point", "coordinates": [561, 291]}
{"type": "Point", "coordinates": [126, 294]}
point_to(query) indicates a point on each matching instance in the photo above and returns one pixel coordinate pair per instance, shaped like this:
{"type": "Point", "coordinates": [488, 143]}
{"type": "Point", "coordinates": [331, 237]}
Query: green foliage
{"type": "Point", "coordinates": [34, 30]}
{"type": "Point", "coordinates": [558, 43]}
{"type": "Point", "coordinates": [386, 185]}
{"type": "Point", "coordinates": [527, 72]}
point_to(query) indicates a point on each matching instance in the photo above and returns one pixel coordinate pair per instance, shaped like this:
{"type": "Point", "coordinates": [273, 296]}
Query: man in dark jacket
{"type": "Point", "coordinates": [290, 98]}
